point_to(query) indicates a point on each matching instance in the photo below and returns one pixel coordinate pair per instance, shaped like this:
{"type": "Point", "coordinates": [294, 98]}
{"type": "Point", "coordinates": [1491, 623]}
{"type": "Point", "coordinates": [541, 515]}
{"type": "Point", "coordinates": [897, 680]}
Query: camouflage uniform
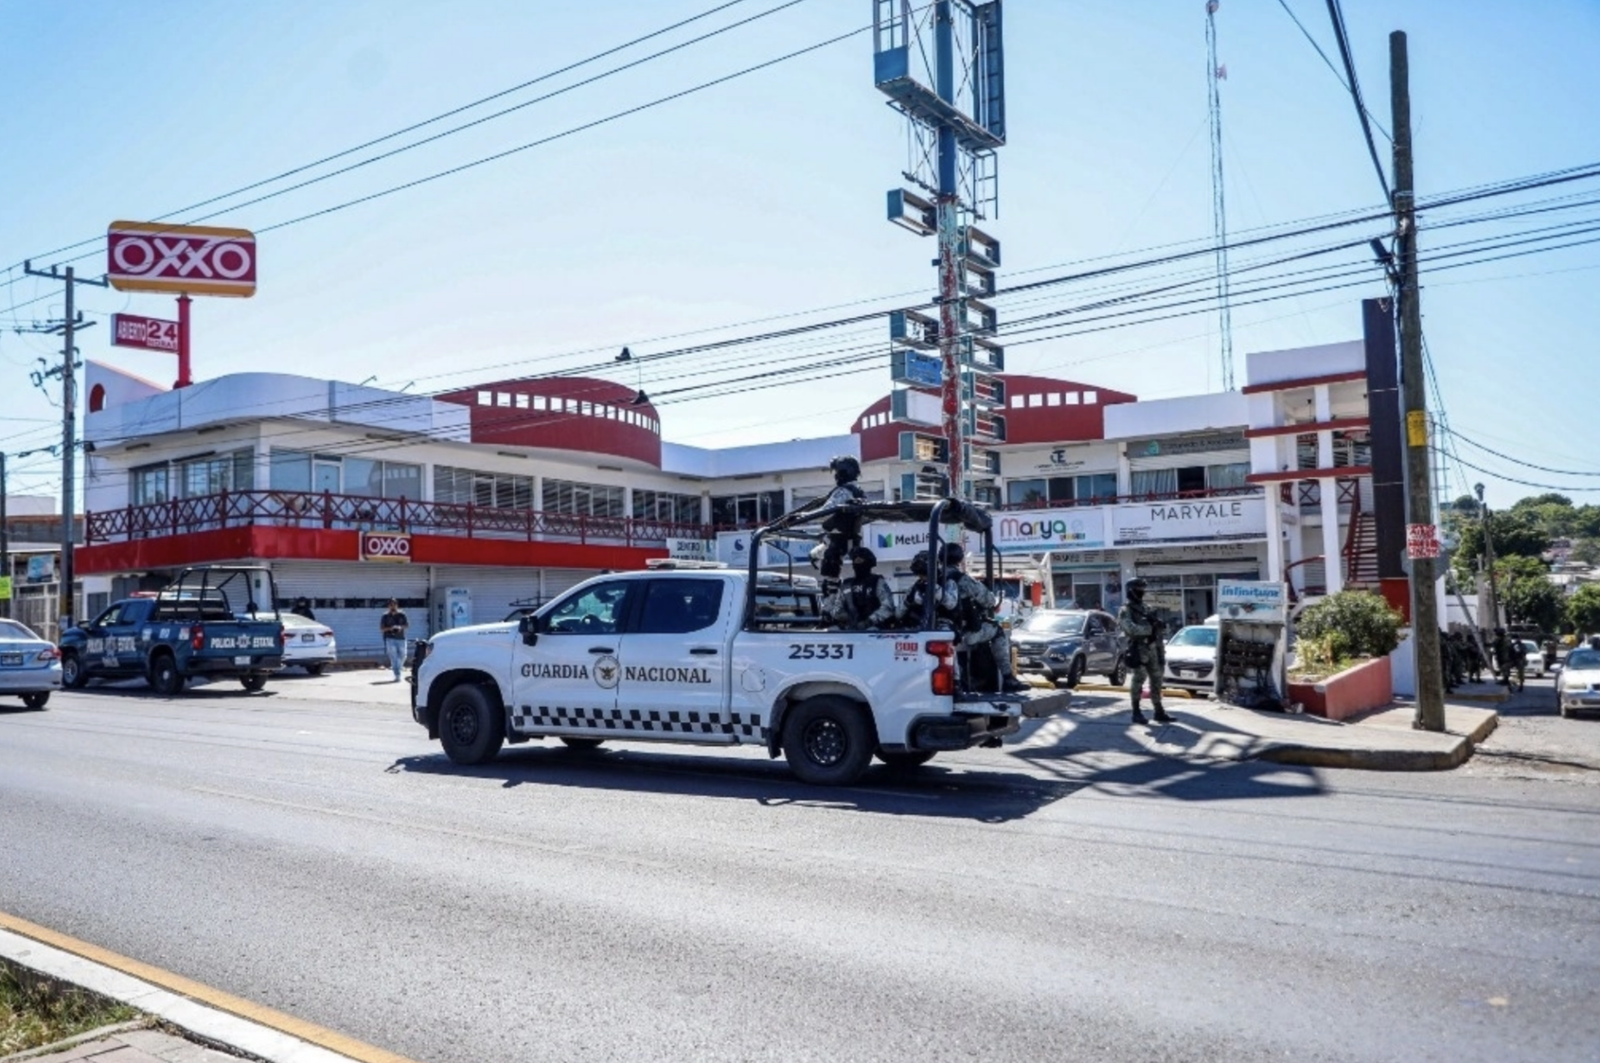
{"type": "Point", "coordinates": [975, 619]}
{"type": "Point", "coordinates": [865, 600]}
{"type": "Point", "coordinates": [1146, 652]}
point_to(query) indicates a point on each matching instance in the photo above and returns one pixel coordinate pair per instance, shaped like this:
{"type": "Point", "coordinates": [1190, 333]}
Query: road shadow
{"type": "Point", "coordinates": [933, 790]}
{"type": "Point", "coordinates": [1093, 745]}
{"type": "Point", "coordinates": [138, 689]}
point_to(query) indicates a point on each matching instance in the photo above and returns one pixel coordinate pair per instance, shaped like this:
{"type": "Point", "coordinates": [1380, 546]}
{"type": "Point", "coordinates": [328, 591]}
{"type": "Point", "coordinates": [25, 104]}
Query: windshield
{"type": "Point", "coordinates": [1583, 659]}
{"type": "Point", "coordinates": [10, 629]}
{"type": "Point", "coordinates": [1195, 636]}
{"type": "Point", "coordinates": [1055, 624]}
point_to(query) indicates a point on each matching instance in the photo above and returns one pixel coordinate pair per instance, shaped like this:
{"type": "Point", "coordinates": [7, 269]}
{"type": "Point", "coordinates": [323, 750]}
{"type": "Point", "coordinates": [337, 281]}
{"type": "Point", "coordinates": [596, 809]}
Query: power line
{"type": "Point", "coordinates": [425, 122]}
{"type": "Point", "coordinates": [1340, 38]}
{"type": "Point", "coordinates": [1526, 483]}
{"type": "Point", "coordinates": [1337, 76]}
{"type": "Point", "coordinates": [1519, 461]}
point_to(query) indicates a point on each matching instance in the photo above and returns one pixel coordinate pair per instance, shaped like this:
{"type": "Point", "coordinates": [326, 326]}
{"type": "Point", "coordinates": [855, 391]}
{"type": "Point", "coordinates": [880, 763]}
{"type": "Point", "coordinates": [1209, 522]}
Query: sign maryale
{"type": "Point", "coordinates": [1201, 520]}
{"type": "Point", "coordinates": [183, 259]}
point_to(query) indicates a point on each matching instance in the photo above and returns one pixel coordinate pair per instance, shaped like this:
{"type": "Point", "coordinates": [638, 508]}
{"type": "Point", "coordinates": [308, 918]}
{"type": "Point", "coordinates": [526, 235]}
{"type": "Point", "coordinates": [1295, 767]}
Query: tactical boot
{"type": "Point", "coordinates": [1012, 685]}
{"type": "Point", "coordinates": [1160, 715]}
{"type": "Point", "coordinates": [1138, 717]}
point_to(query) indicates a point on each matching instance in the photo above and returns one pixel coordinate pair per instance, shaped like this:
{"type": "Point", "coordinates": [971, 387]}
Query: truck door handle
{"type": "Point", "coordinates": [703, 651]}
{"type": "Point", "coordinates": [601, 649]}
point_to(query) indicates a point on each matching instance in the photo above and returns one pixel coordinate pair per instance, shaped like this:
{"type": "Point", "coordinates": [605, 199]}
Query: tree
{"type": "Point", "coordinates": [1583, 609]}
{"type": "Point", "coordinates": [1534, 600]}
{"type": "Point", "coordinates": [1511, 534]}
{"type": "Point", "coordinates": [1515, 566]}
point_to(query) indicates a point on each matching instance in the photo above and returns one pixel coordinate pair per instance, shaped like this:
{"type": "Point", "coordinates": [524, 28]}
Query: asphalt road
{"type": "Point", "coordinates": [1044, 902]}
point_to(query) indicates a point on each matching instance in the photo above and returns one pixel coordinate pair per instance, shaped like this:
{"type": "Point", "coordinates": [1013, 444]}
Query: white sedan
{"type": "Point", "coordinates": [1578, 684]}
{"type": "Point", "coordinates": [308, 644]}
{"type": "Point", "coordinates": [1533, 657]}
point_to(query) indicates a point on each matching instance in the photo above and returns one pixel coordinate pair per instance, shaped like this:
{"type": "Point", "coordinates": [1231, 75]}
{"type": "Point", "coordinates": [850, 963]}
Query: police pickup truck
{"type": "Point", "coordinates": [218, 622]}
{"type": "Point", "coordinates": [712, 656]}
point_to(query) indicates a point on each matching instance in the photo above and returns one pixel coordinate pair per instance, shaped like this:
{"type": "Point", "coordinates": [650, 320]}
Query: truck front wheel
{"type": "Point", "coordinates": [827, 741]}
{"type": "Point", "coordinates": [165, 679]}
{"type": "Point", "coordinates": [73, 677]}
{"type": "Point", "coordinates": [471, 725]}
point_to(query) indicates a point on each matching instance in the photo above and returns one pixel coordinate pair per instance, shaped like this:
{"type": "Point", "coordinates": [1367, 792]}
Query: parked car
{"type": "Point", "coordinates": [1192, 656]}
{"type": "Point", "coordinates": [1067, 643]}
{"type": "Point", "coordinates": [1578, 684]}
{"type": "Point", "coordinates": [29, 665]}
{"type": "Point", "coordinates": [307, 644]}
{"type": "Point", "coordinates": [1535, 658]}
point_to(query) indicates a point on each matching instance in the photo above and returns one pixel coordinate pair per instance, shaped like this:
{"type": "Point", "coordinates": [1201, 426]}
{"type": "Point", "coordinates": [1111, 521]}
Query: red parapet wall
{"type": "Point", "coordinates": [1368, 685]}
{"type": "Point", "coordinates": [266, 543]}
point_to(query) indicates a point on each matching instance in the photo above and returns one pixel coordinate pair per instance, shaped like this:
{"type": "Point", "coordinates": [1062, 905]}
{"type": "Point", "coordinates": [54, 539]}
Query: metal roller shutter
{"type": "Point", "coordinates": [350, 597]}
{"type": "Point", "coordinates": [493, 589]}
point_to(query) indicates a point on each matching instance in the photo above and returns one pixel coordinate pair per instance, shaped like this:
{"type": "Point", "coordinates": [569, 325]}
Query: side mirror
{"type": "Point", "coordinates": [528, 628]}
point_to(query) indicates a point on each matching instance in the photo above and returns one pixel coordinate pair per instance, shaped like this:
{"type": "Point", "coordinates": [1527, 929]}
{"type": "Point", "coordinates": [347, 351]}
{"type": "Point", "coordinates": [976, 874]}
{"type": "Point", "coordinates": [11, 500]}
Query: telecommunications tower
{"type": "Point", "coordinates": [941, 65]}
{"type": "Point", "coordinates": [1215, 75]}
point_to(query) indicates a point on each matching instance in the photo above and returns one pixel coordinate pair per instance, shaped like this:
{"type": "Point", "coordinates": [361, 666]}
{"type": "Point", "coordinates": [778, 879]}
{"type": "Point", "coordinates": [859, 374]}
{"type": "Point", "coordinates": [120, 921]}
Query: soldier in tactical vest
{"type": "Point", "coordinates": [975, 619]}
{"type": "Point", "coordinates": [865, 600]}
{"type": "Point", "coordinates": [1147, 652]}
{"type": "Point", "coordinates": [945, 597]}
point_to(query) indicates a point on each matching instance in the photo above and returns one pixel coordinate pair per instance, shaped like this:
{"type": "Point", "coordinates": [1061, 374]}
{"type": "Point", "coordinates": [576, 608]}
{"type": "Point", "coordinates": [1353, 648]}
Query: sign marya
{"type": "Point", "coordinates": [1146, 524]}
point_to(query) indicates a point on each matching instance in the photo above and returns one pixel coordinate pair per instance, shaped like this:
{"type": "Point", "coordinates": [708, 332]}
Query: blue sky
{"type": "Point", "coordinates": [764, 196]}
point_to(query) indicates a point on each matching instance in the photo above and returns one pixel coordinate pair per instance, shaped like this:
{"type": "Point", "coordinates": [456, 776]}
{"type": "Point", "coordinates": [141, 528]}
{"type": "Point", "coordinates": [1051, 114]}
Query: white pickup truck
{"type": "Point", "coordinates": [708, 657]}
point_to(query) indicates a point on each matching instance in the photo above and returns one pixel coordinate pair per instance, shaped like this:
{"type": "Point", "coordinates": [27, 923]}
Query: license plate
{"type": "Point", "coordinates": [242, 660]}
{"type": "Point", "coordinates": [10, 659]}
{"type": "Point", "coordinates": [308, 637]}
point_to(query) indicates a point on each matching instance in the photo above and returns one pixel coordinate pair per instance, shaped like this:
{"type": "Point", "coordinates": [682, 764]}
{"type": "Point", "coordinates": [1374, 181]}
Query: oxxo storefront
{"type": "Point", "coordinates": [1181, 549]}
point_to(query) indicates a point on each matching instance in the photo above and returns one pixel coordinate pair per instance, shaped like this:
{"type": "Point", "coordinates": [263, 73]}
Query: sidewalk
{"type": "Point", "coordinates": [1204, 730]}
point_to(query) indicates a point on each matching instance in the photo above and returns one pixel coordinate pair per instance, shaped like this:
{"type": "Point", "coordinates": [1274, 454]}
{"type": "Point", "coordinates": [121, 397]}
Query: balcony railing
{"type": "Point", "coordinates": [1246, 491]}
{"type": "Point", "coordinates": [309, 509]}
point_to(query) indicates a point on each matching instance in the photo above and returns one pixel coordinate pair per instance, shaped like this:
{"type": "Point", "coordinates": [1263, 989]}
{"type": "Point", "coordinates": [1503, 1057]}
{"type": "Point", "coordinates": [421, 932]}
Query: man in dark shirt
{"type": "Point", "coordinates": [394, 624]}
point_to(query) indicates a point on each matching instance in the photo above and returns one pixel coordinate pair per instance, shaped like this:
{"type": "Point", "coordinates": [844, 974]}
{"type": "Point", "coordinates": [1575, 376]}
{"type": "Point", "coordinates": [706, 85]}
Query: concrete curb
{"type": "Point", "coordinates": [203, 1023]}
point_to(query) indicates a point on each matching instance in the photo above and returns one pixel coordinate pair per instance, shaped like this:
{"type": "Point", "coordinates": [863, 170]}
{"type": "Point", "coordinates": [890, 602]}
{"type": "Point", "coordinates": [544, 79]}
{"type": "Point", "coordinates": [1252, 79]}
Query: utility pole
{"type": "Point", "coordinates": [5, 541]}
{"type": "Point", "coordinates": [69, 430]}
{"type": "Point", "coordinates": [1414, 400]}
{"type": "Point", "coordinates": [1485, 526]}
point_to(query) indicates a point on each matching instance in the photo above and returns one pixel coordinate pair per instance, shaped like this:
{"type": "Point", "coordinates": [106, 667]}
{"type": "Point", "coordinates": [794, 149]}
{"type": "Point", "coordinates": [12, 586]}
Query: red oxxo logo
{"type": "Point", "coordinates": [385, 546]}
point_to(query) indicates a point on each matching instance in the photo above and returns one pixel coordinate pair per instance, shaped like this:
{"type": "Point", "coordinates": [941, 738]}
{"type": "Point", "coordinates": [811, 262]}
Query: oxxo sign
{"type": "Point", "coordinates": [188, 259]}
{"type": "Point", "coordinates": [385, 546]}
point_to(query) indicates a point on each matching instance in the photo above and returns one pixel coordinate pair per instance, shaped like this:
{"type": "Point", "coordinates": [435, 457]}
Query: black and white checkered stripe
{"type": "Point", "coordinates": [658, 721]}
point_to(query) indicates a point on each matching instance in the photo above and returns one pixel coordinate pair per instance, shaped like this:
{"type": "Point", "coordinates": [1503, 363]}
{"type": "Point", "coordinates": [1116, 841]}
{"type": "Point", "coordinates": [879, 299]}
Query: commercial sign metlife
{"type": "Point", "coordinates": [1201, 520]}
{"type": "Point", "coordinates": [896, 542]}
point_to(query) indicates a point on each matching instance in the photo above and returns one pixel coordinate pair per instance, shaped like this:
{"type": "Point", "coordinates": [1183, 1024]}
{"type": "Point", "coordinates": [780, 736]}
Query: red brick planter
{"type": "Point", "coordinates": [1368, 685]}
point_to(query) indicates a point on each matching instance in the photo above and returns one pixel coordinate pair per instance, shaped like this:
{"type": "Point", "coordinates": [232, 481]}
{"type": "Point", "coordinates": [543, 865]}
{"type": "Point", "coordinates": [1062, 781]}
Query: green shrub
{"type": "Point", "coordinates": [1350, 624]}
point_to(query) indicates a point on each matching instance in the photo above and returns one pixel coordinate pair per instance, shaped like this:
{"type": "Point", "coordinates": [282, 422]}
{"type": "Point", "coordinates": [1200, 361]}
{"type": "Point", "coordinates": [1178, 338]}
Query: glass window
{"type": "Point", "coordinates": [1046, 622]}
{"type": "Point", "coordinates": [1228, 477]}
{"type": "Point", "coordinates": [747, 510]}
{"type": "Point", "coordinates": [402, 481]}
{"type": "Point", "coordinates": [679, 606]}
{"type": "Point", "coordinates": [1097, 487]}
{"type": "Point", "coordinates": [149, 485]}
{"type": "Point", "coordinates": [596, 610]}
{"type": "Point", "coordinates": [666, 506]}
{"type": "Point", "coordinates": [1060, 490]}
{"type": "Point", "coordinates": [363, 477]}
{"type": "Point", "coordinates": [1155, 481]}
{"type": "Point", "coordinates": [1192, 479]}
{"type": "Point", "coordinates": [1026, 493]}
{"type": "Point", "coordinates": [1195, 635]}
{"type": "Point", "coordinates": [289, 470]}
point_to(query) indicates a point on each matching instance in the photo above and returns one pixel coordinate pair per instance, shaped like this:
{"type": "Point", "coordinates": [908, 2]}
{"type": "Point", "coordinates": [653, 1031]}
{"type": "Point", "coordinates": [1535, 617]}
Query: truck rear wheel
{"type": "Point", "coordinates": [165, 679]}
{"type": "Point", "coordinates": [471, 724]}
{"type": "Point", "coordinates": [827, 741]}
{"type": "Point", "coordinates": [73, 677]}
{"type": "Point", "coordinates": [252, 683]}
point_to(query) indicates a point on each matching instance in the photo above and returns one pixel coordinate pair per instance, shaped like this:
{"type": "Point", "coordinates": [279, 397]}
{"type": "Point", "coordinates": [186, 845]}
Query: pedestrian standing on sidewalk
{"type": "Point", "coordinates": [394, 624]}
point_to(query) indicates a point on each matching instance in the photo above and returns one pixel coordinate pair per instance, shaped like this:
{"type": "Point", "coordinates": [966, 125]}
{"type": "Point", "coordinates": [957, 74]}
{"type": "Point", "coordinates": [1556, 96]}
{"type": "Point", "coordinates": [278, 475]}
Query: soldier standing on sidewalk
{"type": "Point", "coordinates": [1146, 652]}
